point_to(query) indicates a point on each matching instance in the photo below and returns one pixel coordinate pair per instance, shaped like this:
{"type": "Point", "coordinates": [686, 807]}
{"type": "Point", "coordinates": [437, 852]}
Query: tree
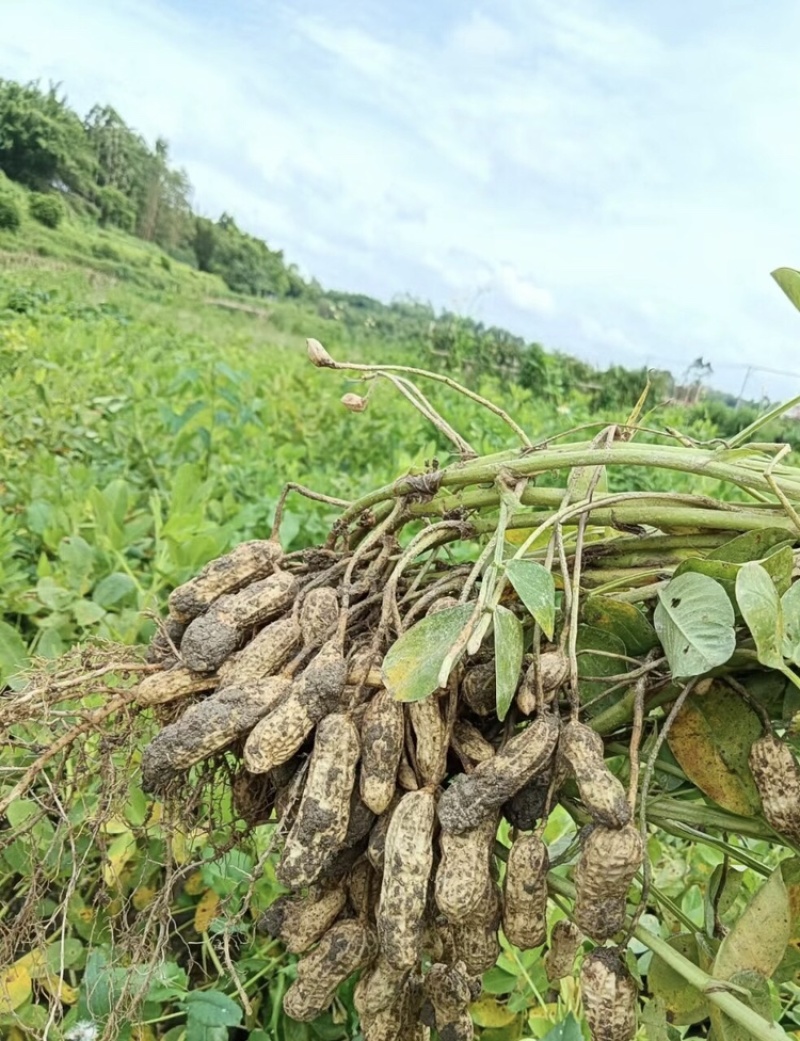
{"type": "Point", "coordinates": [42, 141]}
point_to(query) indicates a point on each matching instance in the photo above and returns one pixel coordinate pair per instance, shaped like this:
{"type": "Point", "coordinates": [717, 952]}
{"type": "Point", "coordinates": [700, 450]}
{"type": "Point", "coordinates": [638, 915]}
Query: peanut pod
{"type": "Point", "coordinates": [244, 564]}
{"type": "Point", "coordinates": [777, 778]}
{"type": "Point", "coordinates": [603, 795]}
{"type": "Point", "coordinates": [299, 921]}
{"type": "Point", "coordinates": [465, 869]}
{"type": "Point", "coordinates": [382, 735]}
{"type": "Point", "coordinates": [609, 995]}
{"type": "Point", "coordinates": [264, 656]}
{"type": "Point", "coordinates": [525, 893]}
{"type": "Point", "coordinates": [608, 861]}
{"type": "Point", "coordinates": [343, 949]}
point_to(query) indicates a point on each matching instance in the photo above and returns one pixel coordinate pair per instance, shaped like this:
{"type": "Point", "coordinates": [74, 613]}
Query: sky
{"type": "Point", "coordinates": [610, 178]}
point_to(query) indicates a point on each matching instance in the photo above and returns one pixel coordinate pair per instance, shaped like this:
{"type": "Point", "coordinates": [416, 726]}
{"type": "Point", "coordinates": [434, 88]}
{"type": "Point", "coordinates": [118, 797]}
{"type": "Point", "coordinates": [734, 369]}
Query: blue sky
{"type": "Point", "coordinates": [612, 179]}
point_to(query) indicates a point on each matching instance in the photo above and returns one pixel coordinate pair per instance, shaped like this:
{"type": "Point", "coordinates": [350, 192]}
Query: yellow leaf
{"type": "Point", "coordinates": [487, 1012]}
{"type": "Point", "coordinates": [143, 896]}
{"type": "Point", "coordinates": [15, 1034]}
{"type": "Point", "coordinates": [121, 850]}
{"type": "Point", "coordinates": [206, 910]}
{"type": "Point", "coordinates": [34, 963]}
{"type": "Point", "coordinates": [60, 990]}
{"type": "Point", "coordinates": [194, 884]}
{"type": "Point", "coordinates": [15, 987]}
{"type": "Point", "coordinates": [116, 826]}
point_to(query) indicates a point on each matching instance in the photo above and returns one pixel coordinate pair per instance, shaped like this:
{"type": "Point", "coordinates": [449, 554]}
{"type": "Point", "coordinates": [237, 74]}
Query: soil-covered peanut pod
{"type": "Point", "coordinates": [265, 655]}
{"type": "Point", "coordinates": [362, 893]}
{"type": "Point", "coordinates": [323, 815]}
{"type": "Point", "coordinates": [465, 869]}
{"type": "Point", "coordinates": [479, 688]}
{"type": "Point", "coordinates": [445, 1006]}
{"type": "Point", "coordinates": [603, 795]}
{"type": "Point", "coordinates": [565, 939]}
{"type": "Point", "coordinates": [408, 861]}
{"type": "Point", "coordinates": [609, 859]}
{"type": "Point", "coordinates": [376, 848]}
{"type": "Point", "coordinates": [172, 684]}
{"type": "Point", "coordinates": [382, 736]}
{"type": "Point", "coordinates": [610, 995]}
{"type": "Point", "coordinates": [346, 947]}
{"type": "Point", "coordinates": [208, 727]}
{"type": "Point", "coordinates": [471, 798]}
{"type": "Point", "coordinates": [319, 613]}
{"type": "Point", "coordinates": [312, 696]}
{"type": "Point", "coordinates": [551, 669]}
{"type": "Point", "coordinates": [469, 744]}
{"type": "Point", "coordinates": [528, 806]}
{"type": "Point", "coordinates": [299, 921]}
{"type": "Point", "coordinates": [430, 739]}
{"type": "Point", "coordinates": [246, 563]}
{"type": "Point", "coordinates": [474, 941]}
{"type": "Point", "coordinates": [210, 639]}
{"type": "Point", "coordinates": [525, 893]}
{"type": "Point", "coordinates": [379, 988]}
{"type": "Point", "coordinates": [777, 776]}
{"type": "Point", "coordinates": [398, 1022]}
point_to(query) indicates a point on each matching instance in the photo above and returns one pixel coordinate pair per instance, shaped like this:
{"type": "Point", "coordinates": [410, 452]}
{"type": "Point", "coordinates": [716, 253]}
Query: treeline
{"type": "Point", "coordinates": [103, 168]}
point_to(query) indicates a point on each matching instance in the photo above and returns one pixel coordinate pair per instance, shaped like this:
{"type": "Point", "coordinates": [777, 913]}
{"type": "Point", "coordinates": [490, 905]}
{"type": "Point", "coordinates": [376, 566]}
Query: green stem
{"type": "Point", "coordinates": [751, 1021]}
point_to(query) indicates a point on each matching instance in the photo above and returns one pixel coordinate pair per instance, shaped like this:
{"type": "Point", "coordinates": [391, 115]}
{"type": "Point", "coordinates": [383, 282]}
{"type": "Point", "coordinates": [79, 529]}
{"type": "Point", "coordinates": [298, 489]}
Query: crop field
{"type": "Point", "coordinates": [149, 421]}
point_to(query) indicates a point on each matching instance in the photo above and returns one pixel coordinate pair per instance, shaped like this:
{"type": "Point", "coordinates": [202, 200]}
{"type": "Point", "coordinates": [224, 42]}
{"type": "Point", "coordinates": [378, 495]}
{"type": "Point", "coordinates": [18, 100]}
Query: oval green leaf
{"type": "Point", "coordinates": [757, 942]}
{"type": "Point", "coordinates": [684, 1003]}
{"type": "Point", "coordinates": [694, 620]}
{"type": "Point", "coordinates": [508, 649]}
{"type": "Point", "coordinates": [623, 620]}
{"type": "Point", "coordinates": [753, 545]}
{"type": "Point", "coordinates": [711, 738]}
{"type": "Point", "coordinates": [790, 607]}
{"type": "Point", "coordinates": [411, 667]}
{"type": "Point", "coordinates": [760, 605]}
{"type": "Point", "coordinates": [535, 587]}
{"type": "Point", "coordinates": [789, 281]}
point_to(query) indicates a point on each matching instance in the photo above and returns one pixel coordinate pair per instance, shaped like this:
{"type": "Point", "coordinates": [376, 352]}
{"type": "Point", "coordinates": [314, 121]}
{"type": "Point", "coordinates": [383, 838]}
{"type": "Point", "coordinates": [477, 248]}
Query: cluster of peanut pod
{"type": "Point", "coordinates": [388, 813]}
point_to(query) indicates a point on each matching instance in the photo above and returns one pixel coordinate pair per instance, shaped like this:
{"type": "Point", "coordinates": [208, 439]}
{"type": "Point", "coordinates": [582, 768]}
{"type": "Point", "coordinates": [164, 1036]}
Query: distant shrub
{"type": "Point", "coordinates": [105, 251]}
{"type": "Point", "coordinates": [166, 263]}
{"type": "Point", "coordinates": [47, 209]}
{"type": "Point", "coordinates": [116, 209]}
{"type": "Point", "coordinates": [10, 216]}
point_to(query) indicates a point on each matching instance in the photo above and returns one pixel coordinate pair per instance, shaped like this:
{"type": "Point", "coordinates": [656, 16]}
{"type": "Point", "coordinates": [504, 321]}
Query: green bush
{"type": "Point", "coordinates": [47, 209]}
{"type": "Point", "coordinates": [10, 217]}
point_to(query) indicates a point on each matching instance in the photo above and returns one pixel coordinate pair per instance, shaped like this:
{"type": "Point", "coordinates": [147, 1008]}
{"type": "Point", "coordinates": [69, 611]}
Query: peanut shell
{"type": "Point", "coordinates": [603, 794]}
{"type": "Point", "coordinates": [777, 778]}
{"type": "Point", "coordinates": [610, 996]}
{"type": "Point", "coordinates": [525, 893]}
{"type": "Point", "coordinates": [607, 864]}
{"type": "Point", "coordinates": [246, 563]}
{"type": "Point", "coordinates": [382, 736]}
{"type": "Point", "coordinates": [344, 948]}
{"type": "Point", "coordinates": [465, 869]}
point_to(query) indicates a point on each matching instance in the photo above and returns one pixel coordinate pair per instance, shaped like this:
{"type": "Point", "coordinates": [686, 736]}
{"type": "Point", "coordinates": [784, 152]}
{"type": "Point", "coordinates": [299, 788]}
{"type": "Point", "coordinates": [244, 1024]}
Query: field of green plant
{"type": "Point", "coordinates": [149, 420]}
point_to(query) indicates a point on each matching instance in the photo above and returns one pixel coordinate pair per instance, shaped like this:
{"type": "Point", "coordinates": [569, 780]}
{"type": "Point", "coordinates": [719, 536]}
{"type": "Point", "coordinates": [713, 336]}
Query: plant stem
{"type": "Point", "coordinates": [712, 989]}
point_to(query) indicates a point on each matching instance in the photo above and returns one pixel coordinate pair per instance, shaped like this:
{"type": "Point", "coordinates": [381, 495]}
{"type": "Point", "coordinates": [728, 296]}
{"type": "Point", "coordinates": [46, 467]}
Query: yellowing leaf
{"type": "Point", "coordinates": [194, 884]}
{"type": "Point", "coordinates": [121, 850]}
{"type": "Point", "coordinates": [711, 738]}
{"type": "Point", "coordinates": [60, 990]}
{"type": "Point", "coordinates": [206, 910]}
{"type": "Point", "coordinates": [143, 896]}
{"type": "Point", "coordinates": [757, 942]}
{"type": "Point", "coordinates": [411, 667]}
{"type": "Point", "coordinates": [34, 963]}
{"type": "Point", "coordinates": [487, 1012]}
{"type": "Point", "coordinates": [15, 988]}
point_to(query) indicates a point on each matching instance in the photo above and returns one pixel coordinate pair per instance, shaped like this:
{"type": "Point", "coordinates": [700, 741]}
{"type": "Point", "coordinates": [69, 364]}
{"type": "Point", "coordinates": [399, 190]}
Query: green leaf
{"type": "Point", "coordinates": [113, 588]}
{"type": "Point", "coordinates": [593, 667]}
{"type": "Point", "coordinates": [13, 652]}
{"type": "Point", "coordinates": [753, 545]}
{"type": "Point", "coordinates": [694, 621]}
{"type": "Point", "coordinates": [711, 738]}
{"type": "Point", "coordinates": [412, 665]}
{"type": "Point", "coordinates": [790, 607]}
{"type": "Point", "coordinates": [568, 1029]}
{"type": "Point", "coordinates": [789, 969]}
{"type": "Point", "coordinates": [761, 608]}
{"type": "Point", "coordinates": [87, 613]}
{"type": "Point", "coordinates": [758, 940]}
{"type": "Point", "coordinates": [209, 1013]}
{"type": "Point", "coordinates": [508, 648]}
{"type": "Point", "coordinates": [789, 281]}
{"type": "Point", "coordinates": [623, 620]}
{"type": "Point", "coordinates": [683, 1003]}
{"type": "Point", "coordinates": [758, 998]}
{"type": "Point", "coordinates": [723, 888]}
{"type": "Point", "coordinates": [536, 588]}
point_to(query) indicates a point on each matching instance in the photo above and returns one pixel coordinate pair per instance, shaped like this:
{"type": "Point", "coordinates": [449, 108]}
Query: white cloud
{"type": "Point", "coordinates": [636, 165]}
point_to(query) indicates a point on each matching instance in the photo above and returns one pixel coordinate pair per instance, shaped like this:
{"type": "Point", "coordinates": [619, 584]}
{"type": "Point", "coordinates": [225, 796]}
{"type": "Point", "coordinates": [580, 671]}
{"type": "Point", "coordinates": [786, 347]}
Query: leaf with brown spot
{"type": "Point", "coordinates": [711, 739]}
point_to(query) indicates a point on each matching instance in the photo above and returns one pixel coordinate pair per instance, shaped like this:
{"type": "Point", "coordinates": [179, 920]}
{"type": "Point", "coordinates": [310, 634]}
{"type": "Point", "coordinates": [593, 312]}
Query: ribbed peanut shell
{"type": "Point", "coordinates": [603, 795]}
{"type": "Point", "coordinates": [609, 995]}
{"type": "Point", "coordinates": [777, 776]}
{"type": "Point", "coordinates": [607, 864]}
{"type": "Point", "coordinates": [408, 861]}
{"type": "Point", "coordinates": [323, 815]}
{"type": "Point", "coordinates": [430, 739]}
{"type": "Point", "coordinates": [382, 736]}
{"type": "Point", "coordinates": [299, 921]}
{"type": "Point", "coordinates": [464, 869]}
{"type": "Point", "coordinates": [471, 798]}
{"type": "Point", "coordinates": [525, 893]}
{"type": "Point", "coordinates": [343, 949]}
{"type": "Point", "coordinates": [264, 655]}
{"type": "Point", "coordinates": [172, 684]}
{"type": "Point", "coordinates": [246, 563]}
